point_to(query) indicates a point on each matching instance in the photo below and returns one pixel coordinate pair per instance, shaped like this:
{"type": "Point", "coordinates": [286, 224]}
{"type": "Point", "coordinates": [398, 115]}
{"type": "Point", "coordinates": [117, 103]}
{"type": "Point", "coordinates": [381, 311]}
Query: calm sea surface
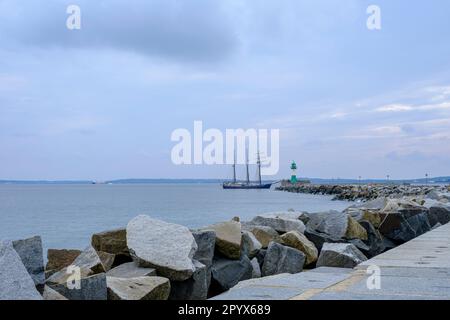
{"type": "Point", "coordinates": [67, 215]}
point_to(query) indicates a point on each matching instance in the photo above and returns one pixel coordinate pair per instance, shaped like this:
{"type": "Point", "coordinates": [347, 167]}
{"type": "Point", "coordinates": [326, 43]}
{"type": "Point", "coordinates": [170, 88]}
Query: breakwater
{"type": "Point", "coordinates": [365, 192]}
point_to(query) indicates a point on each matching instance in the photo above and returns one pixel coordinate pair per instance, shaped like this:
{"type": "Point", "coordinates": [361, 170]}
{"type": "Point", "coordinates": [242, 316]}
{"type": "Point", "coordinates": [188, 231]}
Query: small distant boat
{"type": "Point", "coordinates": [246, 184]}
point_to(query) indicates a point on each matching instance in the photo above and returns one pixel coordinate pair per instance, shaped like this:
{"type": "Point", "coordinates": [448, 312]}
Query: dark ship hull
{"type": "Point", "coordinates": [246, 186]}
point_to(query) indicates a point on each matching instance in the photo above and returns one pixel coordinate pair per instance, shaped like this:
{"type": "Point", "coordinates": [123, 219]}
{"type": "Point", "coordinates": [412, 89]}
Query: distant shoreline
{"type": "Point", "coordinates": [435, 180]}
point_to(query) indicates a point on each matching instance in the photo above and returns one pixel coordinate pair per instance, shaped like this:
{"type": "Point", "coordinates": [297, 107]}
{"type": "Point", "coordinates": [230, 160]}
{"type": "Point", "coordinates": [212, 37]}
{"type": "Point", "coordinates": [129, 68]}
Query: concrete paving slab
{"type": "Point", "coordinates": [358, 296]}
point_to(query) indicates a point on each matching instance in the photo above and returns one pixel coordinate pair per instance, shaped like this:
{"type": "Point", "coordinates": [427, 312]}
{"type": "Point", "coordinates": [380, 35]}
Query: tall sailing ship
{"type": "Point", "coordinates": [247, 184]}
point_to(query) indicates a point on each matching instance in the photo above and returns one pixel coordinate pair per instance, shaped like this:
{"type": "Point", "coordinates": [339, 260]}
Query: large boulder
{"type": "Point", "coordinates": [282, 259]}
{"type": "Point", "coordinates": [394, 205]}
{"type": "Point", "coordinates": [58, 259]}
{"type": "Point", "coordinates": [260, 257]}
{"type": "Point", "coordinates": [15, 281]}
{"type": "Point", "coordinates": [355, 230]}
{"type": "Point", "coordinates": [130, 270]}
{"type": "Point", "coordinates": [439, 214]}
{"type": "Point", "coordinates": [89, 259]}
{"type": "Point", "coordinates": [194, 288]}
{"type": "Point", "coordinates": [360, 245]}
{"type": "Point", "coordinates": [89, 287]}
{"type": "Point", "coordinates": [52, 295]}
{"type": "Point", "coordinates": [31, 253]}
{"type": "Point", "coordinates": [89, 263]}
{"type": "Point", "coordinates": [375, 241]}
{"type": "Point", "coordinates": [375, 204]}
{"type": "Point", "coordinates": [167, 247]}
{"type": "Point", "coordinates": [256, 273]}
{"type": "Point", "coordinates": [368, 211]}
{"type": "Point", "coordinates": [112, 241]}
{"type": "Point", "coordinates": [337, 225]}
{"type": "Point", "coordinates": [282, 222]}
{"type": "Point", "coordinates": [107, 259]}
{"type": "Point", "coordinates": [299, 241]}
{"type": "Point", "coordinates": [373, 216]}
{"type": "Point", "coordinates": [250, 245]}
{"type": "Point", "coordinates": [340, 255]}
{"type": "Point", "coordinates": [228, 238]}
{"type": "Point", "coordinates": [265, 235]}
{"type": "Point", "coordinates": [140, 288]}
{"type": "Point", "coordinates": [227, 273]}
{"type": "Point", "coordinates": [206, 242]}
{"type": "Point", "coordinates": [319, 238]}
{"type": "Point", "coordinates": [404, 220]}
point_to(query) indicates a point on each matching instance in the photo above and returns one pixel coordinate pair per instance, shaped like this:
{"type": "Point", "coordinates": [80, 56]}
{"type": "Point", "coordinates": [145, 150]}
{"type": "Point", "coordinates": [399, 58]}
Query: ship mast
{"type": "Point", "coordinates": [259, 169]}
{"type": "Point", "coordinates": [234, 168]}
{"type": "Point", "coordinates": [246, 163]}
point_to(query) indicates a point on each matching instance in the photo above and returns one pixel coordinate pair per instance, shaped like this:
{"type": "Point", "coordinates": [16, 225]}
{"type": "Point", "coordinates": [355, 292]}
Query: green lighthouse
{"type": "Point", "coordinates": [294, 173]}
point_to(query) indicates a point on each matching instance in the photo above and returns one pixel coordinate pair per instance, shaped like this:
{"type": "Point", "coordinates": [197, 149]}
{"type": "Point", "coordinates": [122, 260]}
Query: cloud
{"type": "Point", "coordinates": [394, 108]}
{"type": "Point", "coordinates": [189, 30]}
{"type": "Point", "coordinates": [403, 107]}
{"type": "Point", "coordinates": [439, 92]}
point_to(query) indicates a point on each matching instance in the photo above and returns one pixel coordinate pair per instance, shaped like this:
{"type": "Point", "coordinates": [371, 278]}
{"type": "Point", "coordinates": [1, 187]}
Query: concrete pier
{"type": "Point", "coordinates": [416, 270]}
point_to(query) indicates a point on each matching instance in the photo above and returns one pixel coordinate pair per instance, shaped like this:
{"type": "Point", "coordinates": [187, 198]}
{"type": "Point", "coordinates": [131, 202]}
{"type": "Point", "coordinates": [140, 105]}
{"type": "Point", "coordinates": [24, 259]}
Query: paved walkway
{"type": "Point", "coordinates": [418, 269]}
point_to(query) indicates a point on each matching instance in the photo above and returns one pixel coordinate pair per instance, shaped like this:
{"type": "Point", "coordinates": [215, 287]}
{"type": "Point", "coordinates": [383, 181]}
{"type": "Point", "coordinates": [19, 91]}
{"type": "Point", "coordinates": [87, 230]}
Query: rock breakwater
{"type": "Point", "coordinates": [366, 192]}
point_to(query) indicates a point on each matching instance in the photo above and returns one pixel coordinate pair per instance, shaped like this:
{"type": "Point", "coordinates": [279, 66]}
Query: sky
{"type": "Point", "coordinates": [101, 102]}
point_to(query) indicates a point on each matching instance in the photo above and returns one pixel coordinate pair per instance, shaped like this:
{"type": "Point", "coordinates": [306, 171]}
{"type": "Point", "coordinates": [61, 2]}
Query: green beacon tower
{"type": "Point", "coordinates": [294, 172]}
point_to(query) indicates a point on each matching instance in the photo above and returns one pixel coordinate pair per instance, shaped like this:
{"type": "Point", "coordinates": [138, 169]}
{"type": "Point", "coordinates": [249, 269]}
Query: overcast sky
{"type": "Point", "coordinates": [101, 102]}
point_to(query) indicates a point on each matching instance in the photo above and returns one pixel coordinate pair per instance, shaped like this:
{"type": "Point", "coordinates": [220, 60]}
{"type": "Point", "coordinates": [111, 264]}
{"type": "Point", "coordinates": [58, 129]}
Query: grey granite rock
{"type": "Point", "coordinates": [281, 259]}
{"type": "Point", "coordinates": [228, 238]}
{"type": "Point", "coordinates": [250, 245]}
{"type": "Point", "coordinates": [31, 253]}
{"type": "Point", "coordinates": [375, 240]}
{"type": "Point", "coordinates": [89, 263]}
{"type": "Point", "coordinates": [227, 273]}
{"type": "Point", "coordinates": [15, 281]}
{"type": "Point", "coordinates": [260, 256]}
{"type": "Point", "coordinates": [265, 235]}
{"type": "Point", "coordinates": [194, 288]}
{"type": "Point", "coordinates": [332, 223]}
{"type": "Point", "coordinates": [206, 242]}
{"type": "Point", "coordinates": [52, 295]}
{"type": "Point", "coordinates": [405, 223]}
{"type": "Point", "coordinates": [300, 242]}
{"type": "Point", "coordinates": [256, 273]}
{"type": "Point", "coordinates": [140, 288]}
{"type": "Point", "coordinates": [439, 214]}
{"type": "Point", "coordinates": [130, 270]}
{"type": "Point", "coordinates": [167, 247]}
{"type": "Point", "coordinates": [319, 238]}
{"type": "Point", "coordinates": [336, 225]}
{"type": "Point", "coordinates": [341, 255]}
{"type": "Point", "coordinates": [90, 288]}
{"type": "Point", "coordinates": [281, 222]}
